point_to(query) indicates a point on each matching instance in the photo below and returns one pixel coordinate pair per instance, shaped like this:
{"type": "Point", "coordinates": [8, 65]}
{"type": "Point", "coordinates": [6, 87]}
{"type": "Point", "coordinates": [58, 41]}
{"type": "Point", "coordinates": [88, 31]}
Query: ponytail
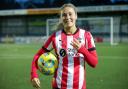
{"type": "Point", "coordinates": [59, 26]}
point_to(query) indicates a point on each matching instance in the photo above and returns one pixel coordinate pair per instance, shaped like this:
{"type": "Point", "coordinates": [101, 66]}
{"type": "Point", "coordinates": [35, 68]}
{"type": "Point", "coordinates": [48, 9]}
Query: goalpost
{"type": "Point", "coordinates": [106, 28]}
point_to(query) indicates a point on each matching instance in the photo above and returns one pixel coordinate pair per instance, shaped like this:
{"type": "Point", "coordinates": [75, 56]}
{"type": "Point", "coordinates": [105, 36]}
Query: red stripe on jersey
{"type": "Point", "coordinates": [64, 73]}
{"type": "Point", "coordinates": [54, 46]}
{"type": "Point", "coordinates": [76, 73]}
{"type": "Point", "coordinates": [65, 62]}
{"type": "Point", "coordinates": [84, 82]}
{"type": "Point", "coordinates": [54, 42]}
{"type": "Point", "coordinates": [84, 85]}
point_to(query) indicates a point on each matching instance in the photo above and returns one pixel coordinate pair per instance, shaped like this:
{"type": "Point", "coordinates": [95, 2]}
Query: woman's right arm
{"type": "Point", "coordinates": [34, 76]}
{"type": "Point", "coordinates": [34, 66]}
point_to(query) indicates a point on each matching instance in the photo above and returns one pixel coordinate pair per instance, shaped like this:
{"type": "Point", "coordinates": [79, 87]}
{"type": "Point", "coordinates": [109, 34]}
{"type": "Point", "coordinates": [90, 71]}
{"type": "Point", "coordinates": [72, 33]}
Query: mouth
{"type": "Point", "coordinates": [68, 21]}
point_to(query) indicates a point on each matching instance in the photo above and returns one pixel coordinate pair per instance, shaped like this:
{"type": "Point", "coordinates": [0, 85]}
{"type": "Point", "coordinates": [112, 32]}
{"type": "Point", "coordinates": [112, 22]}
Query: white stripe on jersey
{"type": "Point", "coordinates": [92, 41]}
{"type": "Point", "coordinates": [60, 67]}
{"type": "Point", "coordinates": [81, 73]}
{"type": "Point", "coordinates": [86, 43]}
{"type": "Point", "coordinates": [81, 35]}
{"type": "Point", "coordinates": [70, 64]}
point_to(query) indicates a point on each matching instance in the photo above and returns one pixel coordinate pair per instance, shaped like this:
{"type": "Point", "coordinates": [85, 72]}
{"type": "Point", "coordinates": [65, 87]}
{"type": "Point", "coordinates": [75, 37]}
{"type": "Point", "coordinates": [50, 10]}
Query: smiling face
{"type": "Point", "coordinates": [68, 17]}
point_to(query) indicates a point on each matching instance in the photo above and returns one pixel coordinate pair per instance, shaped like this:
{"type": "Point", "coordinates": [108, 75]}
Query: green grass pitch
{"type": "Point", "coordinates": [110, 73]}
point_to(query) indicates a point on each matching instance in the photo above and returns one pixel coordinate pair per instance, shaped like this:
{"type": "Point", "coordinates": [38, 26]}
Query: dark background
{"type": "Point", "coordinates": [27, 4]}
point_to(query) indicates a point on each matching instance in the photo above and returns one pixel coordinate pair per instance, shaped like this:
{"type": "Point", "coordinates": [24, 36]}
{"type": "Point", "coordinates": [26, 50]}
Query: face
{"type": "Point", "coordinates": [68, 17]}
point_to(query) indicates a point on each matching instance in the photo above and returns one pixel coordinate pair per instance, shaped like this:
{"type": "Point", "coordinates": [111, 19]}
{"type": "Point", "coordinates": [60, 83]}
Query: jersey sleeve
{"type": "Point", "coordinates": [90, 45]}
{"type": "Point", "coordinates": [88, 50]}
{"type": "Point", "coordinates": [42, 50]}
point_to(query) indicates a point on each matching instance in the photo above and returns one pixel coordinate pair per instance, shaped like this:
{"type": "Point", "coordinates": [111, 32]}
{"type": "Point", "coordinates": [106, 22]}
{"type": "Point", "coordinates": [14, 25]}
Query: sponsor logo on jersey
{"type": "Point", "coordinates": [62, 52]}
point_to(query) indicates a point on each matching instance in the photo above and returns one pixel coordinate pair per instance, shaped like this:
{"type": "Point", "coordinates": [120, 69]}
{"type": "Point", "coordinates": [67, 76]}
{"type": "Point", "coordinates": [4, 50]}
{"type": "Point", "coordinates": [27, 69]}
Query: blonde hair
{"type": "Point", "coordinates": [69, 5]}
{"type": "Point", "coordinates": [60, 24]}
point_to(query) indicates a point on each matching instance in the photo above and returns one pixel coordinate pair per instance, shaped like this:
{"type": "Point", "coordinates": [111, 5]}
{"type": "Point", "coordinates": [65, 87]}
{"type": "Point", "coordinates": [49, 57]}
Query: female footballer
{"type": "Point", "coordinates": [73, 46]}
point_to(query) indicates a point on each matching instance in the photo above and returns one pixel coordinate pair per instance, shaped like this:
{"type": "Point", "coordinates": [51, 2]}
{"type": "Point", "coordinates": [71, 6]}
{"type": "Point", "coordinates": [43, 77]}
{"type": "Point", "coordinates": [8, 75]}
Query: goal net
{"type": "Point", "coordinates": [103, 29]}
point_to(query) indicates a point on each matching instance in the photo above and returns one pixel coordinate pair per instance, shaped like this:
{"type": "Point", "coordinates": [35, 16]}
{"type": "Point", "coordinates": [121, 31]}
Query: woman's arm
{"type": "Point", "coordinates": [90, 56]}
{"type": "Point", "coordinates": [87, 49]}
{"type": "Point", "coordinates": [34, 64]}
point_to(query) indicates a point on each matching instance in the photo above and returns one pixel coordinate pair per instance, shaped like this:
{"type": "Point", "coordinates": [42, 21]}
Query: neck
{"type": "Point", "coordinates": [70, 30]}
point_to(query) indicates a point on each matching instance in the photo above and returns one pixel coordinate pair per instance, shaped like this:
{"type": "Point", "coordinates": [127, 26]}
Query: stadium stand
{"type": "Point", "coordinates": [27, 18]}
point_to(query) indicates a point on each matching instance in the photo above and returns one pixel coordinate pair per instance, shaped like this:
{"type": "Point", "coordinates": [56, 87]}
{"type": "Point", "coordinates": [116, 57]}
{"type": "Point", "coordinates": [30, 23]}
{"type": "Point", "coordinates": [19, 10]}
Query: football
{"type": "Point", "coordinates": [47, 63]}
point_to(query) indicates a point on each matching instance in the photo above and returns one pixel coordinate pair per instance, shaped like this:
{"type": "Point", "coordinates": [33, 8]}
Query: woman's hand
{"type": "Point", "coordinates": [76, 44]}
{"type": "Point", "coordinates": [36, 83]}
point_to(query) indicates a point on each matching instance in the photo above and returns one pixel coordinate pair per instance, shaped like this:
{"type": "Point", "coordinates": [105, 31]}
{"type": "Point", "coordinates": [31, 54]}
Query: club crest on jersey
{"type": "Point", "coordinates": [62, 52]}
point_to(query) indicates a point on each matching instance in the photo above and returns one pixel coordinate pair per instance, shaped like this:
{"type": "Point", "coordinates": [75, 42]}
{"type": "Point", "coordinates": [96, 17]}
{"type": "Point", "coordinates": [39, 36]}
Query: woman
{"type": "Point", "coordinates": [73, 47]}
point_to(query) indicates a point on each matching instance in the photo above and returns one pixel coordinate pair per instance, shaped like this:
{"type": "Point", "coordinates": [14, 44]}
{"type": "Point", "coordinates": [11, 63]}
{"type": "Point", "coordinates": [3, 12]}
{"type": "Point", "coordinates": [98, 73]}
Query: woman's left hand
{"type": "Point", "coordinates": [76, 44]}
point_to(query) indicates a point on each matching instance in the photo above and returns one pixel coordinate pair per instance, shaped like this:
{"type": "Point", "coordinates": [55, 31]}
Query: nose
{"type": "Point", "coordinates": [67, 16]}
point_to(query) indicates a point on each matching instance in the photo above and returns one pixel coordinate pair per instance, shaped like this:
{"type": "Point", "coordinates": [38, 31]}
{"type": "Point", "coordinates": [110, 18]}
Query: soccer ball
{"type": "Point", "coordinates": [47, 63]}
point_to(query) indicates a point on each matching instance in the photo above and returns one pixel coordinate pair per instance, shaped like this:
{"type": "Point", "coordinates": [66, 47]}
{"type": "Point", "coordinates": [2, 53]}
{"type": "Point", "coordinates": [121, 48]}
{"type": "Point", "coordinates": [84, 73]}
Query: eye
{"type": "Point", "coordinates": [70, 14]}
{"type": "Point", "coordinates": [64, 14]}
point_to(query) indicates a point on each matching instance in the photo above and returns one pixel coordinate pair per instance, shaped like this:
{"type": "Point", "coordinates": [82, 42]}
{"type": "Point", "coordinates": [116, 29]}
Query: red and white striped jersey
{"type": "Point", "coordinates": [70, 73]}
{"type": "Point", "coordinates": [71, 69]}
